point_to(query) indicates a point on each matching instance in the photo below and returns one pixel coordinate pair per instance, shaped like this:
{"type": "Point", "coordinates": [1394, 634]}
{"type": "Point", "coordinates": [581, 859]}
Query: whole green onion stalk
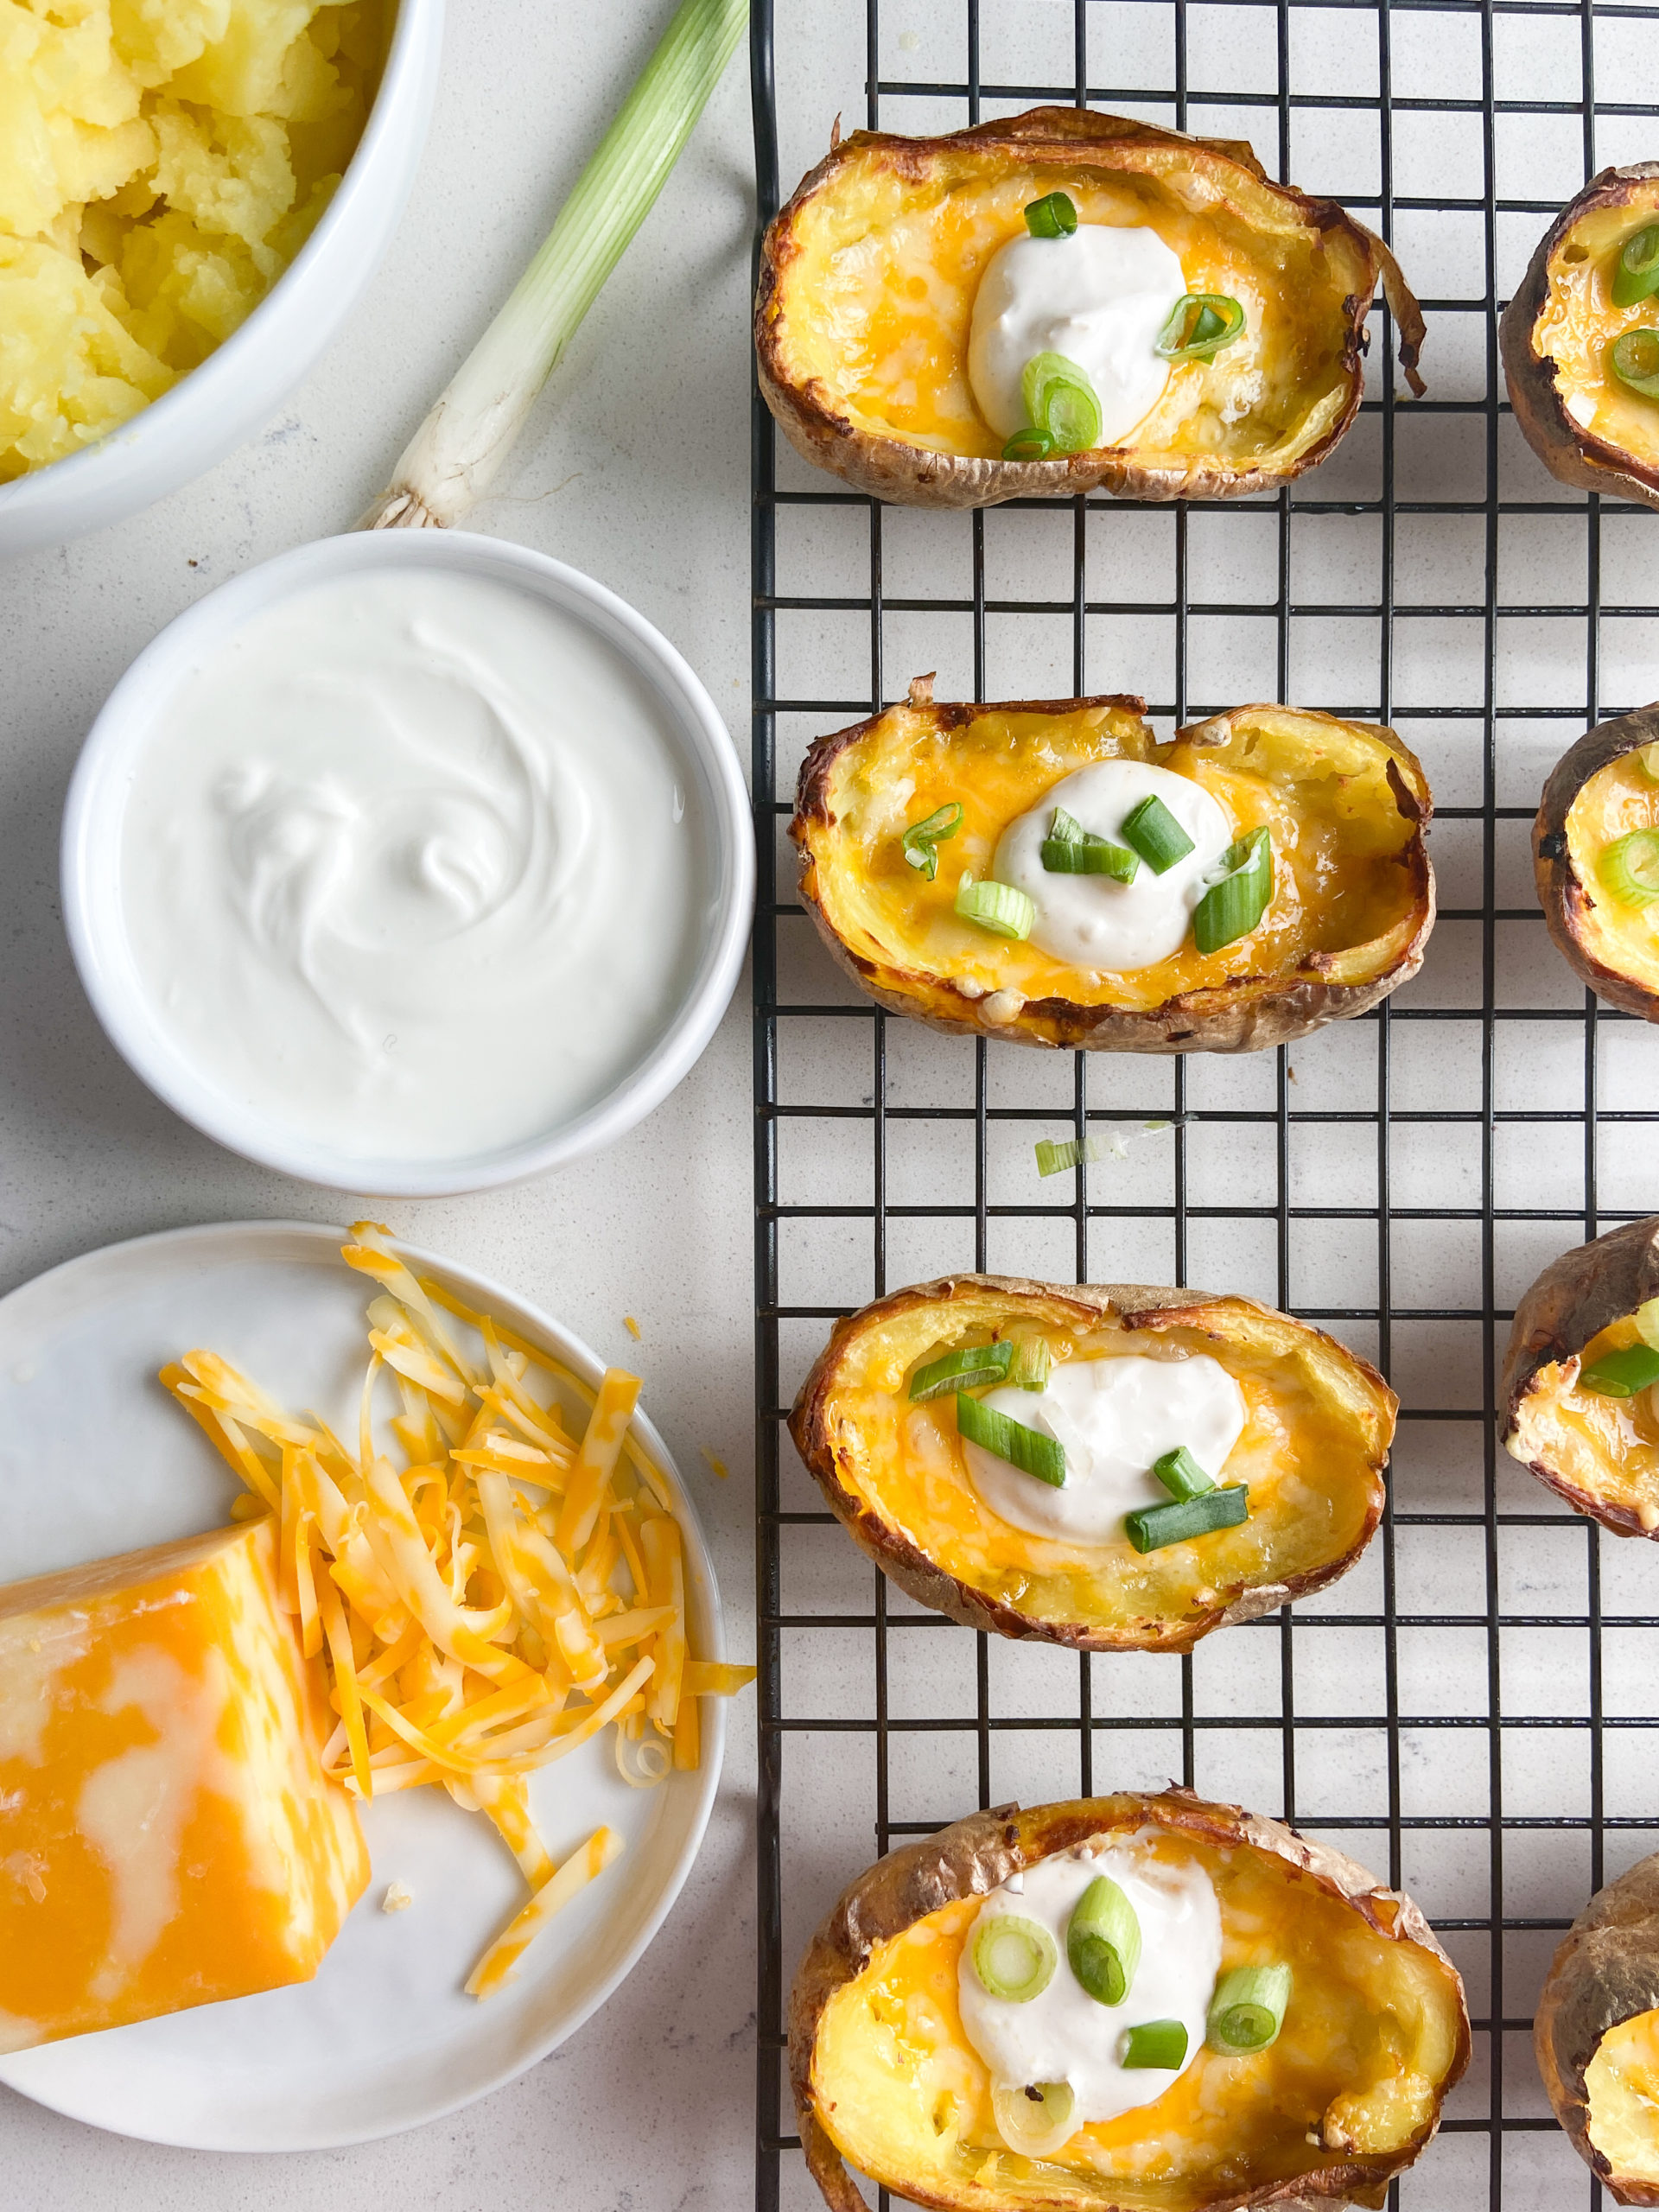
{"type": "Point", "coordinates": [453, 458]}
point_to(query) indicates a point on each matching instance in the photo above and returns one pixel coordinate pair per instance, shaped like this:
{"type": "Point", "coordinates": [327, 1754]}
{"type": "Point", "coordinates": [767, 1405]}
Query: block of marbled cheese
{"type": "Point", "coordinates": [168, 1836]}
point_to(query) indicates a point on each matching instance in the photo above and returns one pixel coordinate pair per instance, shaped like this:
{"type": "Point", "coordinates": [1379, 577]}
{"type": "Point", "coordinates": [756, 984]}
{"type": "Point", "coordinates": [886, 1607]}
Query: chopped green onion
{"type": "Point", "coordinates": [1002, 908]}
{"type": "Point", "coordinates": [1103, 1941]}
{"type": "Point", "coordinates": [1629, 868]}
{"type": "Point", "coordinates": [1155, 835]}
{"type": "Point", "coordinates": [922, 840]}
{"type": "Point", "coordinates": [1034, 2121]}
{"type": "Point", "coordinates": [1636, 273]}
{"type": "Point", "coordinates": [1247, 2009]}
{"type": "Point", "coordinates": [1033, 1364]}
{"type": "Point", "coordinates": [1075, 1151]}
{"type": "Point", "coordinates": [1014, 1958]}
{"type": "Point", "coordinates": [1647, 759]}
{"type": "Point", "coordinates": [1156, 2042]}
{"type": "Point", "coordinates": [1155, 1526]}
{"type": "Point", "coordinates": [451, 460]}
{"type": "Point", "coordinates": [1029, 444]}
{"type": "Point", "coordinates": [1199, 325]}
{"type": "Point", "coordinates": [1181, 1475]}
{"type": "Point", "coordinates": [1090, 855]}
{"type": "Point", "coordinates": [1636, 361]}
{"type": "Point", "coordinates": [1231, 908]}
{"type": "Point", "coordinates": [1061, 398]}
{"type": "Point", "coordinates": [1621, 1374]}
{"type": "Point", "coordinates": [1028, 1449]}
{"type": "Point", "coordinates": [1053, 216]}
{"type": "Point", "coordinates": [1065, 828]}
{"type": "Point", "coordinates": [1647, 1322]}
{"type": "Point", "coordinates": [961, 1370]}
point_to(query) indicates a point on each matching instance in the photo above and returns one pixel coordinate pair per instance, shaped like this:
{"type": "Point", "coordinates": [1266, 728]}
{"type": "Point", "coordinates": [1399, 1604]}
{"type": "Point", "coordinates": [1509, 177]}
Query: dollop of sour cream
{"type": "Point", "coordinates": [1090, 921]}
{"type": "Point", "coordinates": [1112, 1417]}
{"type": "Point", "coordinates": [1101, 297]}
{"type": "Point", "coordinates": [1063, 2034]}
{"type": "Point", "coordinates": [410, 867]}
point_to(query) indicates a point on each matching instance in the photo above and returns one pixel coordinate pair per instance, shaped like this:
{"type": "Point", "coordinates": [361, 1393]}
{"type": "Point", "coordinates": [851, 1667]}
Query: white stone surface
{"type": "Point", "coordinates": [636, 469]}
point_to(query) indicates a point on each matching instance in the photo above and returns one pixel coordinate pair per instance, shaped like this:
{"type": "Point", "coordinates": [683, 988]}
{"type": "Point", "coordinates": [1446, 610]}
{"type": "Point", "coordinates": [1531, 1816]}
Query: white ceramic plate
{"type": "Point", "coordinates": [96, 1459]}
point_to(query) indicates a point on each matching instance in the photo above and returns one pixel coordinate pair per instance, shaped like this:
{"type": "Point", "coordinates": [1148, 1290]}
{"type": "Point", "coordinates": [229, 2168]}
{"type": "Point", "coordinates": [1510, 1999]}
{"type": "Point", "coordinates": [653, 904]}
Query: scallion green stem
{"type": "Point", "coordinates": [1247, 2009]}
{"type": "Point", "coordinates": [1103, 1941]}
{"type": "Point", "coordinates": [453, 457]}
{"type": "Point", "coordinates": [963, 1369]}
{"type": "Point", "coordinates": [1028, 1449]}
{"type": "Point", "coordinates": [1156, 2042]}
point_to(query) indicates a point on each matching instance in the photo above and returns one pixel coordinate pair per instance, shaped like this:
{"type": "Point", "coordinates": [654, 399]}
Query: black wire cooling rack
{"type": "Point", "coordinates": [1468, 1711]}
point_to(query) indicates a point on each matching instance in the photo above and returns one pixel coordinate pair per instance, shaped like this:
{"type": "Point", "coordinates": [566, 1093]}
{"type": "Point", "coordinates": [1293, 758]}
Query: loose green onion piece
{"type": "Point", "coordinates": [1155, 835]}
{"type": "Point", "coordinates": [1636, 273]}
{"type": "Point", "coordinates": [1155, 1527]}
{"type": "Point", "coordinates": [1199, 325]}
{"type": "Point", "coordinates": [1621, 1374]}
{"type": "Point", "coordinates": [1247, 2009]}
{"type": "Point", "coordinates": [1629, 868]}
{"type": "Point", "coordinates": [961, 1370]}
{"type": "Point", "coordinates": [1103, 1941]}
{"type": "Point", "coordinates": [1647, 759]}
{"type": "Point", "coordinates": [1231, 908]}
{"type": "Point", "coordinates": [922, 840]}
{"type": "Point", "coordinates": [1155, 2043]}
{"type": "Point", "coordinates": [1029, 444]}
{"type": "Point", "coordinates": [1053, 216]}
{"type": "Point", "coordinates": [1033, 1364]}
{"type": "Point", "coordinates": [1065, 828]}
{"type": "Point", "coordinates": [1181, 1475]}
{"type": "Point", "coordinates": [1014, 1958]}
{"type": "Point", "coordinates": [1028, 1449]}
{"type": "Point", "coordinates": [1002, 908]}
{"type": "Point", "coordinates": [1034, 2121]}
{"type": "Point", "coordinates": [1054, 1159]}
{"type": "Point", "coordinates": [1090, 855]}
{"type": "Point", "coordinates": [1636, 361]}
{"type": "Point", "coordinates": [449, 462]}
{"type": "Point", "coordinates": [1061, 398]}
{"type": "Point", "coordinates": [1647, 1322]}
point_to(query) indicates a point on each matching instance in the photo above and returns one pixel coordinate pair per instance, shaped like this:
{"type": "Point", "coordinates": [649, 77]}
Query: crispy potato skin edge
{"type": "Point", "coordinates": [1572, 1300]}
{"type": "Point", "coordinates": [975, 1855]}
{"type": "Point", "coordinates": [1562, 893]}
{"type": "Point", "coordinates": [1233, 1019]}
{"type": "Point", "coordinates": [1570, 453]}
{"type": "Point", "coordinates": [917, 1575]}
{"type": "Point", "coordinates": [888, 468]}
{"type": "Point", "coordinates": [1606, 1970]}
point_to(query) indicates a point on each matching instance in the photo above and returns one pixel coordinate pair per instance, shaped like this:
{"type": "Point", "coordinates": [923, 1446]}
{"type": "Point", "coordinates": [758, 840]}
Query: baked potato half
{"type": "Point", "coordinates": [1351, 892]}
{"type": "Point", "coordinates": [865, 318]}
{"type": "Point", "coordinates": [1124, 1375]}
{"type": "Point", "coordinates": [1596, 858]}
{"type": "Point", "coordinates": [894, 2054]}
{"type": "Point", "coordinates": [1596, 2034]}
{"type": "Point", "coordinates": [1567, 333]}
{"type": "Point", "coordinates": [1581, 1387]}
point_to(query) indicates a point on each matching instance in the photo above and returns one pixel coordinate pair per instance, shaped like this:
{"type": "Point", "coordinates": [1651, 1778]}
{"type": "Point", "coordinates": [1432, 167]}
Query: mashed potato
{"type": "Point", "coordinates": [161, 161]}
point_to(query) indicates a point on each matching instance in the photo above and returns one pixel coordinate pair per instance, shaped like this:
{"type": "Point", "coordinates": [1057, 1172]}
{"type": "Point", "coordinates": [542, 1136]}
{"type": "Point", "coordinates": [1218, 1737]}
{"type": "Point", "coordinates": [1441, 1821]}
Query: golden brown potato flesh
{"type": "Point", "coordinates": [1316, 1438]}
{"type": "Point", "coordinates": [1353, 898]}
{"type": "Point", "coordinates": [1597, 2035]}
{"type": "Point", "coordinates": [1604, 792]}
{"type": "Point", "coordinates": [1586, 425]}
{"type": "Point", "coordinates": [1374, 2036]}
{"type": "Point", "coordinates": [869, 276]}
{"type": "Point", "coordinates": [1600, 1453]}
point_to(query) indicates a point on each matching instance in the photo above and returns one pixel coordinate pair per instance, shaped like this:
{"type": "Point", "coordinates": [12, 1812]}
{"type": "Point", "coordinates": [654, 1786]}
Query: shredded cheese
{"type": "Point", "coordinates": [501, 1596]}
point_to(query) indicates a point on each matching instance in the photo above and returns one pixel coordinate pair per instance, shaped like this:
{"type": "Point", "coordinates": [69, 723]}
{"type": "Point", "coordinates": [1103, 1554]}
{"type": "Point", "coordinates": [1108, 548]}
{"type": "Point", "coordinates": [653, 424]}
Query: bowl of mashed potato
{"type": "Point", "coordinates": [193, 194]}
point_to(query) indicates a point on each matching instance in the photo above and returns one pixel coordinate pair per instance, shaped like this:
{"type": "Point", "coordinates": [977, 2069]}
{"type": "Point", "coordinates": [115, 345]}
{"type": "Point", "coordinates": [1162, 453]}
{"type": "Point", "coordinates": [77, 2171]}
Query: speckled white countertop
{"type": "Point", "coordinates": [635, 469]}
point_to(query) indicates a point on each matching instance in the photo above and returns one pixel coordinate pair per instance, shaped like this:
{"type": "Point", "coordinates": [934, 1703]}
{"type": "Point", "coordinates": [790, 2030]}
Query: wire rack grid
{"type": "Point", "coordinates": [1467, 1712]}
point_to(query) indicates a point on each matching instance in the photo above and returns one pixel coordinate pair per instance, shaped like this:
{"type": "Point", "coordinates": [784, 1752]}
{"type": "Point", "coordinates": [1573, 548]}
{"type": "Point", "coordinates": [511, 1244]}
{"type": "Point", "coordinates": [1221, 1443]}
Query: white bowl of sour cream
{"type": "Point", "coordinates": [409, 863]}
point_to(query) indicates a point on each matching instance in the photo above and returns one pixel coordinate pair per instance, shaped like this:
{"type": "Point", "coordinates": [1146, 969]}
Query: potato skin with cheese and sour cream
{"type": "Point", "coordinates": [1374, 2036]}
{"type": "Point", "coordinates": [1317, 1426]}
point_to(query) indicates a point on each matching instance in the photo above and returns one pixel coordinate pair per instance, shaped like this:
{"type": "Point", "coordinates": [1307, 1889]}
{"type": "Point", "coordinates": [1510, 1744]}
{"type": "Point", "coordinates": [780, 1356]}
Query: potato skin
{"type": "Point", "coordinates": [1573, 1299]}
{"type": "Point", "coordinates": [1563, 892]}
{"type": "Point", "coordinates": [1233, 1019]}
{"type": "Point", "coordinates": [977, 1854]}
{"type": "Point", "coordinates": [919, 1577]}
{"type": "Point", "coordinates": [1606, 1970]}
{"type": "Point", "coordinates": [889, 469]}
{"type": "Point", "coordinates": [1571, 453]}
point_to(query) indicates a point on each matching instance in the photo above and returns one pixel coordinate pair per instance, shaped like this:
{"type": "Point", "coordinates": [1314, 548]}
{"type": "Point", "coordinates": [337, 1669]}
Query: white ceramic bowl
{"type": "Point", "coordinates": [94, 913]}
{"type": "Point", "coordinates": [247, 378]}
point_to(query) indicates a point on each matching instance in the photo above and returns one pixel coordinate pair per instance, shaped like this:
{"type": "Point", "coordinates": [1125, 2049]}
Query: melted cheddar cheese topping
{"type": "Point", "coordinates": [1616, 799]}
{"type": "Point", "coordinates": [1367, 2038]}
{"type": "Point", "coordinates": [1580, 321]}
{"type": "Point", "coordinates": [1622, 2090]}
{"type": "Point", "coordinates": [1607, 1447]}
